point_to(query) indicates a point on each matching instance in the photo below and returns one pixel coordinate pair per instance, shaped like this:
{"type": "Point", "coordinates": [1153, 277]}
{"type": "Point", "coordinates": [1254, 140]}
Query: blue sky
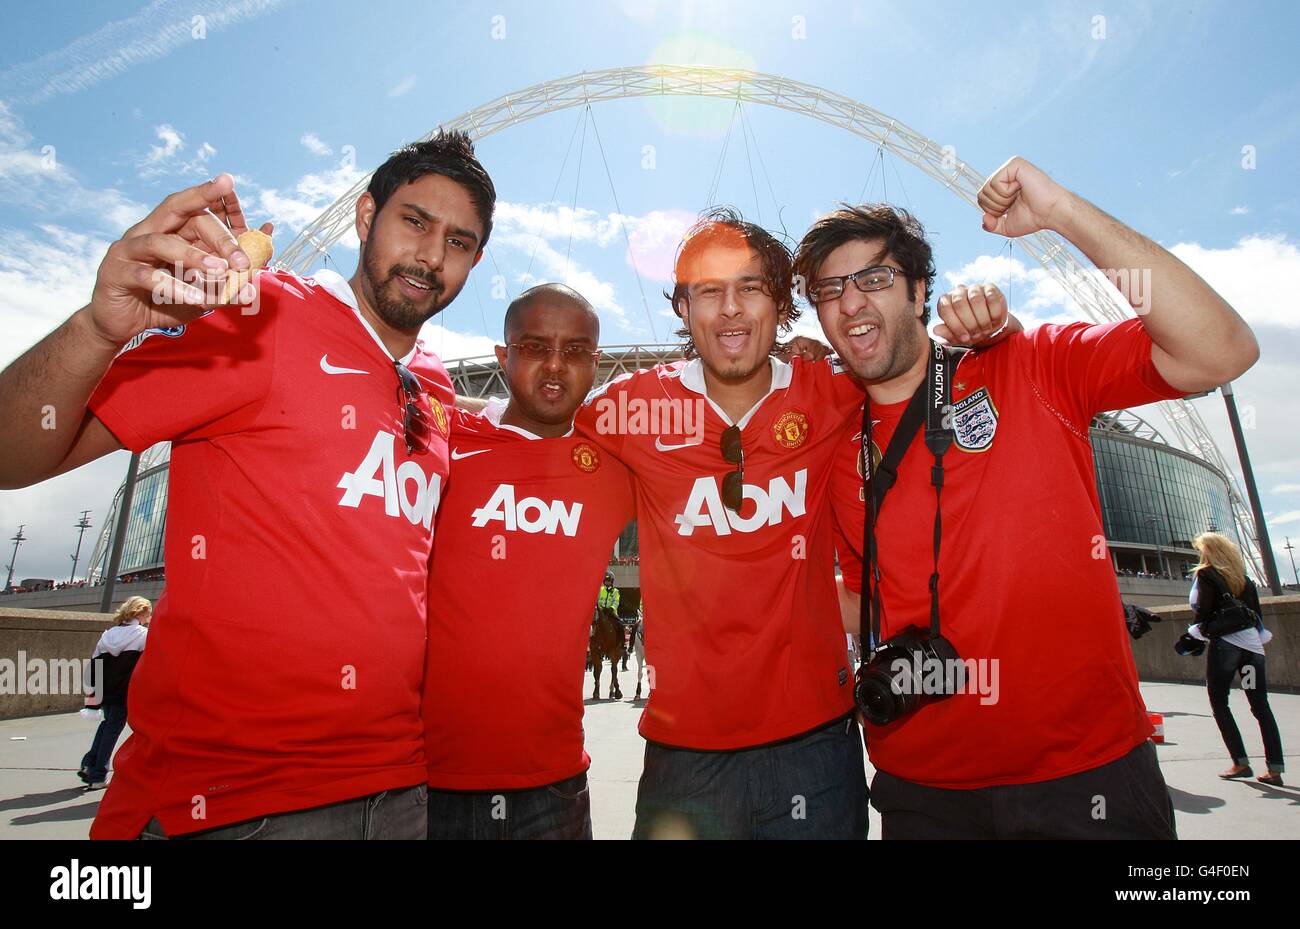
{"type": "Point", "coordinates": [1144, 108]}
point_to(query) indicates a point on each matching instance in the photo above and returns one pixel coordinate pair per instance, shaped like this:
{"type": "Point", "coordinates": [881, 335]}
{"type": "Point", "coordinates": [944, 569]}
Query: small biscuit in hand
{"type": "Point", "coordinates": [256, 244]}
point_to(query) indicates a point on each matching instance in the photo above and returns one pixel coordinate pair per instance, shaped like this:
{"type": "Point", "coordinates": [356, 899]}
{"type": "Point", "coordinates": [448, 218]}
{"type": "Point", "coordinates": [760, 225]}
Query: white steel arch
{"type": "Point", "coordinates": [1097, 302]}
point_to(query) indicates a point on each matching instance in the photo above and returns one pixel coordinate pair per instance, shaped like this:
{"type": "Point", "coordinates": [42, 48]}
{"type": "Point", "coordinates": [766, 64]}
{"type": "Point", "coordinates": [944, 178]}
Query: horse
{"type": "Point", "coordinates": [606, 642]}
{"type": "Point", "coordinates": [638, 650]}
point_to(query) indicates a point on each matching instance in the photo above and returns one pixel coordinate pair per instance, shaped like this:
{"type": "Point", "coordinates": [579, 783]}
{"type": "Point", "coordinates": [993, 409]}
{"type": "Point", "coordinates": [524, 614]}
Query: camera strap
{"type": "Point", "coordinates": [930, 404]}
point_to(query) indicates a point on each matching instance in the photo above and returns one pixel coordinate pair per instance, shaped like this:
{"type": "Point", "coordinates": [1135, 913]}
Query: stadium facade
{"type": "Point", "coordinates": [1155, 498]}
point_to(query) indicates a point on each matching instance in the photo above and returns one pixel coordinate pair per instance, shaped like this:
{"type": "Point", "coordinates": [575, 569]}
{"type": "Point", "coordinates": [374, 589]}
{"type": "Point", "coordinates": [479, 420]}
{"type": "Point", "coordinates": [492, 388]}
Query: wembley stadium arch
{"type": "Point", "coordinates": [1095, 300]}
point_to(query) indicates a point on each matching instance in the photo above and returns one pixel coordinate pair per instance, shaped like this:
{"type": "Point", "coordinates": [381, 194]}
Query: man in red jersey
{"type": "Point", "coordinates": [280, 698]}
{"type": "Point", "coordinates": [1046, 735]}
{"type": "Point", "coordinates": [749, 727]}
{"type": "Point", "coordinates": [524, 531]}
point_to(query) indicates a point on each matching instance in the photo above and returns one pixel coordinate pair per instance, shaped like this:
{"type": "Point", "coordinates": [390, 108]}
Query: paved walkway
{"type": "Point", "coordinates": [40, 796]}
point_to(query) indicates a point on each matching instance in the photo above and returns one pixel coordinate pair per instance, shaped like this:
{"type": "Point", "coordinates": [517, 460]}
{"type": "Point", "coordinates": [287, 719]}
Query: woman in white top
{"type": "Point", "coordinates": [1222, 570]}
{"type": "Point", "coordinates": [112, 663]}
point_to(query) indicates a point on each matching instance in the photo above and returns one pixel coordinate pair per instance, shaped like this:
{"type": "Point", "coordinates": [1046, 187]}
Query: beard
{"type": "Point", "coordinates": [906, 348]}
{"type": "Point", "coordinates": [393, 308]}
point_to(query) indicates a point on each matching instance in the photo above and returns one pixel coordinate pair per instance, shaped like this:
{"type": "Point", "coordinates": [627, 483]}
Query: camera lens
{"type": "Point", "coordinates": [882, 699]}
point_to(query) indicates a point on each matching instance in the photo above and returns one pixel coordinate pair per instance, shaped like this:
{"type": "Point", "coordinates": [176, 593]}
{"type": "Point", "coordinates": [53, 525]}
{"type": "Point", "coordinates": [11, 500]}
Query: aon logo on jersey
{"type": "Point", "coordinates": [704, 508]}
{"type": "Point", "coordinates": [404, 489]}
{"type": "Point", "coordinates": [530, 514]}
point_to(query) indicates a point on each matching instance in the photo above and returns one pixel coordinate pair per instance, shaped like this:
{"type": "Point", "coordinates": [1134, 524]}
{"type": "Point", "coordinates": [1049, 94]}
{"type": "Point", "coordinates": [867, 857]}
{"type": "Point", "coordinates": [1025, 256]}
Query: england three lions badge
{"type": "Point", "coordinates": [974, 421]}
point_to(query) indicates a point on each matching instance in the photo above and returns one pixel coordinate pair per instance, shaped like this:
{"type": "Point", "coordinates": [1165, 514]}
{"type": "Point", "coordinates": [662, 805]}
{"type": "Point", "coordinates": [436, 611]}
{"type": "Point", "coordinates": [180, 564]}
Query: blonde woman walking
{"type": "Point", "coordinates": [115, 655]}
{"type": "Point", "coordinates": [1220, 574]}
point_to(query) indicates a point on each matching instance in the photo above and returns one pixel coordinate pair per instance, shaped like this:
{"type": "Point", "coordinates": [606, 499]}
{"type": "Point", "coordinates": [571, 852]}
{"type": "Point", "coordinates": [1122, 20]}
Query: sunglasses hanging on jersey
{"type": "Point", "coordinates": [733, 484]}
{"type": "Point", "coordinates": [415, 422]}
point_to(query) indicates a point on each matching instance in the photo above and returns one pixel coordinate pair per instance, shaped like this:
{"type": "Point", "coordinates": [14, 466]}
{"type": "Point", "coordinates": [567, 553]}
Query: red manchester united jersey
{"type": "Point", "coordinates": [285, 658]}
{"type": "Point", "coordinates": [524, 534]}
{"type": "Point", "coordinates": [1027, 591]}
{"type": "Point", "coordinates": [748, 647]}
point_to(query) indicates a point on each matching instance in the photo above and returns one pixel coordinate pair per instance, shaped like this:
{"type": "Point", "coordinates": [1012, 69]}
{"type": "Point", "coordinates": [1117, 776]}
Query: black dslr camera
{"type": "Point", "coordinates": [907, 672]}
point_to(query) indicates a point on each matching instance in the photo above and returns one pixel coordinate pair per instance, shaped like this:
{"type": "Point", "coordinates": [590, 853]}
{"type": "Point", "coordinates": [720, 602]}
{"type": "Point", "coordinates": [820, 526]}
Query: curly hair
{"type": "Point", "coordinates": [902, 235]}
{"type": "Point", "coordinates": [723, 225]}
{"type": "Point", "coordinates": [450, 154]}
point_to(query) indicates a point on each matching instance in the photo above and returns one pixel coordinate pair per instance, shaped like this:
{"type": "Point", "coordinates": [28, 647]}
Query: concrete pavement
{"type": "Point", "coordinates": [40, 796]}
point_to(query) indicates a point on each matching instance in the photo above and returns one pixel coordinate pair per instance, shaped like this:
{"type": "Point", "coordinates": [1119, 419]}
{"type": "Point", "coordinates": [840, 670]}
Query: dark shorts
{"type": "Point", "coordinates": [389, 814]}
{"type": "Point", "coordinates": [810, 787]}
{"type": "Point", "coordinates": [1125, 799]}
{"type": "Point", "coordinates": [553, 811]}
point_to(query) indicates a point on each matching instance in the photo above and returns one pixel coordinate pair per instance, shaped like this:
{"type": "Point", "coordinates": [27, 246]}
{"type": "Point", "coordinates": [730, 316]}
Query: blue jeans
{"type": "Point", "coordinates": [553, 811]}
{"type": "Point", "coordinates": [810, 787]}
{"type": "Point", "coordinates": [95, 762]}
{"type": "Point", "coordinates": [389, 814]}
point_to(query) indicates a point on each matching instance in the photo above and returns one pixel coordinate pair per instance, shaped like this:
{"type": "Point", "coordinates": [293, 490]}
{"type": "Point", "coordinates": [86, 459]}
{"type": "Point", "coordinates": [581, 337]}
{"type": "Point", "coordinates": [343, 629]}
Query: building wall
{"type": "Point", "coordinates": [1157, 660]}
{"type": "Point", "coordinates": [37, 635]}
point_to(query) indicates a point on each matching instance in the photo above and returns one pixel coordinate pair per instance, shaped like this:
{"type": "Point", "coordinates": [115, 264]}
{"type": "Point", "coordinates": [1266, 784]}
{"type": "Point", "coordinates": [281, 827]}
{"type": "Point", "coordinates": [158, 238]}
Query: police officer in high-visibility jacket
{"type": "Point", "coordinates": [608, 593]}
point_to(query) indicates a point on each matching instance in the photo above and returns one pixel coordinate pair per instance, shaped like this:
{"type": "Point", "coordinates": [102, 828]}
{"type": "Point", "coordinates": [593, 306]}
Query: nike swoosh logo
{"type": "Point", "coordinates": [659, 444]}
{"type": "Point", "coordinates": [457, 455]}
{"type": "Point", "coordinates": [330, 369]}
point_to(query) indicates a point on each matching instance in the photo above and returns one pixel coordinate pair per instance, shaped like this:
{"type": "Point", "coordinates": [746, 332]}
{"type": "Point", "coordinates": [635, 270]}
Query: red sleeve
{"type": "Point", "coordinates": [625, 499]}
{"type": "Point", "coordinates": [847, 554]}
{"type": "Point", "coordinates": [204, 379]}
{"type": "Point", "coordinates": [1081, 369]}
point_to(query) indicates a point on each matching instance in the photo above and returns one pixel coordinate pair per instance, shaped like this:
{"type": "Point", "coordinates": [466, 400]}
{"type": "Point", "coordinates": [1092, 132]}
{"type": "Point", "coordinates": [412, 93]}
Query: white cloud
{"type": "Point", "coordinates": [44, 278]}
{"type": "Point", "coordinates": [402, 87]}
{"type": "Point", "coordinates": [1033, 295]}
{"type": "Point", "coordinates": [1252, 275]}
{"type": "Point", "coordinates": [451, 345]}
{"type": "Point", "coordinates": [313, 144]}
{"type": "Point", "coordinates": [157, 30]}
{"type": "Point", "coordinates": [547, 232]}
{"type": "Point", "coordinates": [557, 221]}
{"type": "Point", "coordinates": [165, 159]}
{"type": "Point", "coordinates": [39, 181]}
{"type": "Point", "coordinates": [172, 141]}
{"type": "Point", "coordinates": [1291, 516]}
{"type": "Point", "coordinates": [50, 509]}
{"type": "Point", "coordinates": [1239, 210]}
{"type": "Point", "coordinates": [307, 199]}
{"type": "Point", "coordinates": [1287, 489]}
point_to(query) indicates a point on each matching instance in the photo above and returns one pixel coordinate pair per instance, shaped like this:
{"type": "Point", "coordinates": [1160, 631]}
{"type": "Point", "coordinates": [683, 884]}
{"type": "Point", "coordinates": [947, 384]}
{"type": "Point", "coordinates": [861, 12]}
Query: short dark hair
{"type": "Point", "coordinates": [552, 290]}
{"type": "Point", "coordinates": [724, 224]}
{"type": "Point", "coordinates": [450, 154]}
{"type": "Point", "coordinates": [901, 232]}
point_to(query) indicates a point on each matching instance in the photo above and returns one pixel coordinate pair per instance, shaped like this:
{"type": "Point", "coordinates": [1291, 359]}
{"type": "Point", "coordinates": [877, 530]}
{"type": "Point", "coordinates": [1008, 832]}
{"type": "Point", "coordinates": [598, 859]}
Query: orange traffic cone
{"type": "Point", "coordinates": [1158, 721]}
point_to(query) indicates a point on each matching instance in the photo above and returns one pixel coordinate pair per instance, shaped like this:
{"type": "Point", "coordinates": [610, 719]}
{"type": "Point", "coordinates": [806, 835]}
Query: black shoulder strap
{"type": "Point", "coordinates": [931, 403]}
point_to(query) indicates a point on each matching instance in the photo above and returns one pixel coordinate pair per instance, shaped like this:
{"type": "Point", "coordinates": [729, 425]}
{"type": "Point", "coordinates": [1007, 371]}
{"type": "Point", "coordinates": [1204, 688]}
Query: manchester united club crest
{"type": "Point", "coordinates": [791, 429]}
{"type": "Point", "coordinates": [439, 414]}
{"type": "Point", "coordinates": [585, 457]}
{"type": "Point", "coordinates": [974, 421]}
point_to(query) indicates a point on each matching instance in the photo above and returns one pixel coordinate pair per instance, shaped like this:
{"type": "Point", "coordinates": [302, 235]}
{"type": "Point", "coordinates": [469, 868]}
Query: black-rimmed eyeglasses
{"type": "Point", "coordinates": [881, 277]}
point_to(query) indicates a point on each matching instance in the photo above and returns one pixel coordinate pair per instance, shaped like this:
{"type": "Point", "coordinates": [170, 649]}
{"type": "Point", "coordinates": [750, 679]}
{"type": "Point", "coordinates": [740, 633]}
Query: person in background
{"type": "Point", "coordinates": [1222, 571]}
{"type": "Point", "coordinates": [609, 595]}
{"type": "Point", "coordinates": [112, 662]}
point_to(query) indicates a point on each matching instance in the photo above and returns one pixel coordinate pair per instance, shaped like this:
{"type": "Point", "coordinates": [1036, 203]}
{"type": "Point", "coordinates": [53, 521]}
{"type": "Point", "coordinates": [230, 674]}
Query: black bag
{"type": "Point", "coordinates": [1138, 619]}
{"type": "Point", "coordinates": [1230, 614]}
